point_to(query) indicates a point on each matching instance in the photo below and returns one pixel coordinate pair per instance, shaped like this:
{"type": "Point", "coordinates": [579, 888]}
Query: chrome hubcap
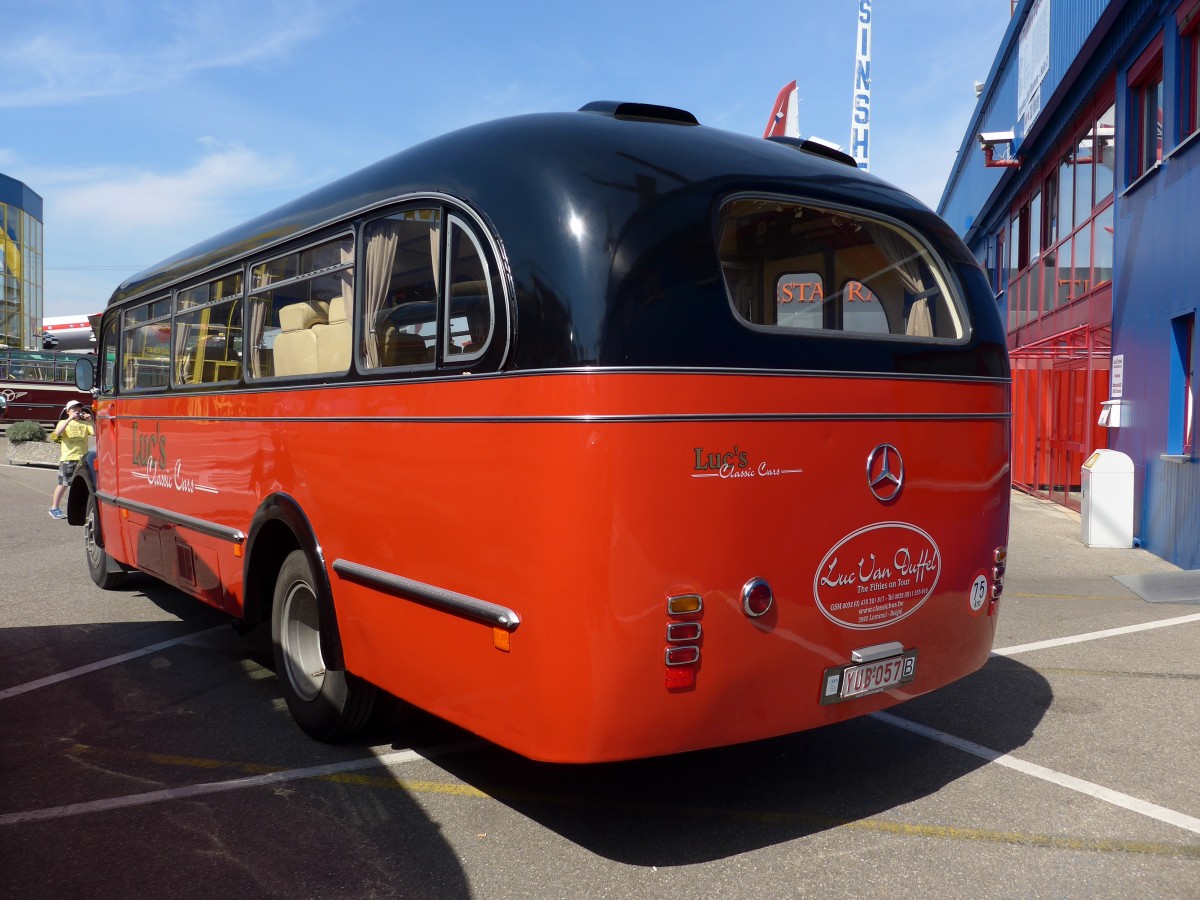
{"type": "Point", "coordinates": [300, 636]}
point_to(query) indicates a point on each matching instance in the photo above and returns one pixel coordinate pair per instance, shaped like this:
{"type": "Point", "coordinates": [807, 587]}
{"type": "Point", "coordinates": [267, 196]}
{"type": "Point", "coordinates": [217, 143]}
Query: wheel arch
{"type": "Point", "coordinates": [279, 527]}
{"type": "Point", "coordinates": [82, 485]}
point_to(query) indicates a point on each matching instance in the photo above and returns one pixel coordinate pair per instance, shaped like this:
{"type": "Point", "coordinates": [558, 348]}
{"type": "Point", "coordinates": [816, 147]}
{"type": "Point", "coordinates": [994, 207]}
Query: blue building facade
{"type": "Point", "coordinates": [21, 263]}
{"type": "Point", "coordinates": [1077, 185]}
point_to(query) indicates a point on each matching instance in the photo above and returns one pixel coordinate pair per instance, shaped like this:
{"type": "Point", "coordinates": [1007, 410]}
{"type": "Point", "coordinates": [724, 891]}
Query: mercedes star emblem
{"type": "Point", "coordinates": [885, 472]}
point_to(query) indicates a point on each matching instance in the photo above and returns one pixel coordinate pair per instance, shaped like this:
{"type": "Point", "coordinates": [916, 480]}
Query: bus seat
{"type": "Point", "coordinates": [296, 344]}
{"type": "Point", "coordinates": [401, 348]}
{"type": "Point", "coordinates": [296, 316]}
{"type": "Point", "coordinates": [333, 340]}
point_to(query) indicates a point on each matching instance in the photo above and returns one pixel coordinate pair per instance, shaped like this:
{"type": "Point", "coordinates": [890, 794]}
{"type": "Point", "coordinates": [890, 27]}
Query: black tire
{"type": "Point", "coordinates": [328, 704]}
{"type": "Point", "coordinates": [98, 561]}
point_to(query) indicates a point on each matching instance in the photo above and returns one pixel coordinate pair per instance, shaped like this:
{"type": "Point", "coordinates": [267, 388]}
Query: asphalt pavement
{"type": "Point", "coordinates": [144, 750]}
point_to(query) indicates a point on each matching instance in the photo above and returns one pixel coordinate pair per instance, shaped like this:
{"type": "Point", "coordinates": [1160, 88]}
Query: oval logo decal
{"type": "Point", "coordinates": [877, 575]}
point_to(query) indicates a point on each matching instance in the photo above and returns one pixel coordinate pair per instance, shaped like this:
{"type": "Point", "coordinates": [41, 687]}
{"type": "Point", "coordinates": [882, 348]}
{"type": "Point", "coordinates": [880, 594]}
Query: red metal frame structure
{"type": "Point", "coordinates": [1058, 383]}
{"type": "Point", "coordinates": [1060, 252]}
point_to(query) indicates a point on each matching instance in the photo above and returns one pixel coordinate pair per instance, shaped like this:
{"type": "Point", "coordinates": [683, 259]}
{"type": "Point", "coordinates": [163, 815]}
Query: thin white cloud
{"type": "Point", "coordinates": [152, 200]}
{"type": "Point", "coordinates": [100, 221]}
{"type": "Point", "coordinates": [97, 52]}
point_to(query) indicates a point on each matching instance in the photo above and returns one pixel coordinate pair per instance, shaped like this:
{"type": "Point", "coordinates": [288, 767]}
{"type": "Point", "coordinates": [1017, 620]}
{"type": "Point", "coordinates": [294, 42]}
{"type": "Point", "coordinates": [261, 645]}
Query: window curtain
{"type": "Point", "coordinates": [258, 318]}
{"type": "Point", "coordinates": [918, 320]}
{"type": "Point", "coordinates": [381, 256]}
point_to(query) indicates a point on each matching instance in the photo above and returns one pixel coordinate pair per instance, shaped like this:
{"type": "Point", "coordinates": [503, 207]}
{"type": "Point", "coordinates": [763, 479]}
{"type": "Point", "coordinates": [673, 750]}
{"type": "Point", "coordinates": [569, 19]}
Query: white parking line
{"type": "Point", "coordinates": [104, 663]}
{"type": "Point", "coordinates": [1145, 808]}
{"type": "Point", "coordinates": [233, 784]}
{"type": "Point", "coordinates": [1116, 798]}
{"type": "Point", "coordinates": [1094, 635]}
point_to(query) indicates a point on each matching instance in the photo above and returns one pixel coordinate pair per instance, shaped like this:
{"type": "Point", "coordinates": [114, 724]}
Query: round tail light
{"type": "Point", "coordinates": [757, 598]}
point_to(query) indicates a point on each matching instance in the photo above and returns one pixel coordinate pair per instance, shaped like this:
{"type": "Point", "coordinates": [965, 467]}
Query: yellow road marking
{"type": "Point", "coordinates": [36, 490]}
{"type": "Point", "coordinates": [1164, 676]}
{"type": "Point", "coordinates": [760, 817]}
{"type": "Point", "coordinates": [1067, 596]}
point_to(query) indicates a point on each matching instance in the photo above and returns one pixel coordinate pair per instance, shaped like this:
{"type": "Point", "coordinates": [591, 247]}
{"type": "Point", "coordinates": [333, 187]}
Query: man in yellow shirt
{"type": "Point", "coordinates": [73, 433]}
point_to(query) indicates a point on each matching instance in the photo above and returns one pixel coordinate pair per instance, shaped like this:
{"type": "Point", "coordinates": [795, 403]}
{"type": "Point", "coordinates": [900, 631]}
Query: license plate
{"type": "Point", "coordinates": [846, 682]}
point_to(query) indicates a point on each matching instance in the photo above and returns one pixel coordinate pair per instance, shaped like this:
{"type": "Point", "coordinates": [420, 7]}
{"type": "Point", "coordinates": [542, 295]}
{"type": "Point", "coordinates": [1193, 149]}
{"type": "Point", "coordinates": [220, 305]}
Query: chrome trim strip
{"type": "Point", "coordinates": [212, 529]}
{"type": "Point", "coordinates": [585, 419]}
{"type": "Point", "coordinates": [428, 595]}
{"type": "Point", "coordinates": [378, 376]}
{"type": "Point", "coordinates": [876, 651]}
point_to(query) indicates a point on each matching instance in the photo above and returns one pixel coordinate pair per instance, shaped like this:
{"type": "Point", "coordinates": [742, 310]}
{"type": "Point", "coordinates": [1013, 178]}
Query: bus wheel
{"type": "Point", "coordinates": [328, 704]}
{"type": "Point", "coordinates": [98, 560]}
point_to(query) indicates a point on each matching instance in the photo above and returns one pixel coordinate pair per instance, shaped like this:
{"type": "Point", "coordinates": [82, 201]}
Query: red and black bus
{"type": "Point", "coordinates": [35, 385]}
{"type": "Point", "coordinates": [601, 434]}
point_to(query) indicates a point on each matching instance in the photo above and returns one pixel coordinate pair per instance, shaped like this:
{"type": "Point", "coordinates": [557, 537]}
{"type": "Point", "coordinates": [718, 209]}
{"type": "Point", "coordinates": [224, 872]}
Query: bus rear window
{"type": "Point", "coordinates": [795, 267]}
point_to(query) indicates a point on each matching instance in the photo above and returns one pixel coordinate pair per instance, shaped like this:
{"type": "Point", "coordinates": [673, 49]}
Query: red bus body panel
{"type": "Point", "coordinates": [582, 501]}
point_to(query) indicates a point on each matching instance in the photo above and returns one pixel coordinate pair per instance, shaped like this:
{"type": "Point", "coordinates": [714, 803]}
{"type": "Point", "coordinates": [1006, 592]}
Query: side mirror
{"type": "Point", "coordinates": [3, 404]}
{"type": "Point", "coordinates": [85, 372]}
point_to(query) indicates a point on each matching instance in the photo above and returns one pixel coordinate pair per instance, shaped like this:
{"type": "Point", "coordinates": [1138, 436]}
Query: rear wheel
{"type": "Point", "coordinates": [98, 560]}
{"type": "Point", "coordinates": [328, 704]}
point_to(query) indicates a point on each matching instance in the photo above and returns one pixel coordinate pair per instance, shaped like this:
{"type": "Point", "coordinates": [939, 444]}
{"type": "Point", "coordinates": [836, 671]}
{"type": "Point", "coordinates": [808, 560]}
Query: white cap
{"type": "Point", "coordinates": [73, 403]}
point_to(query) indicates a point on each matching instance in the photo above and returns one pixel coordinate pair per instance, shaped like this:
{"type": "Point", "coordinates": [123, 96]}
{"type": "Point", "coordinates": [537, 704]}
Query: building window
{"type": "Point", "coordinates": [1062, 220]}
{"type": "Point", "coordinates": [1102, 261]}
{"type": "Point", "coordinates": [1146, 111]}
{"type": "Point", "coordinates": [1035, 226]}
{"type": "Point", "coordinates": [1188, 19]}
{"type": "Point", "coordinates": [1181, 418]}
{"type": "Point", "coordinates": [1060, 236]}
{"type": "Point", "coordinates": [1104, 152]}
{"type": "Point", "coordinates": [1050, 231]}
{"type": "Point", "coordinates": [1015, 301]}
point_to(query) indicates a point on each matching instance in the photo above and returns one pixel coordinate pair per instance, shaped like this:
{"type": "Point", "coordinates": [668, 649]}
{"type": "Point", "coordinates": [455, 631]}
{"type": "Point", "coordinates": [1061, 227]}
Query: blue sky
{"type": "Point", "coordinates": [148, 126]}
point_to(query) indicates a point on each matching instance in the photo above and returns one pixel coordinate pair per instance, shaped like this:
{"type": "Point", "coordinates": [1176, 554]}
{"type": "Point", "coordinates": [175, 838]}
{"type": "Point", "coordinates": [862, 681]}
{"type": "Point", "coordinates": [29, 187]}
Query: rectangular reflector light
{"type": "Point", "coordinates": [683, 632]}
{"type": "Point", "coordinates": [682, 656]}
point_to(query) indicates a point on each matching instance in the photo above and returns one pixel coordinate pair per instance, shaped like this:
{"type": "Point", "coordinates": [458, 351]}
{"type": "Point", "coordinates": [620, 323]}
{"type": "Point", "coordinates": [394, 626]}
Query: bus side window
{"type": "Point", "coordinates": [108, 356]}
{"type": "Point", "coordinates": [292, 296]}
{"type": "Point", "coordinates": [146, 346]}
{"type": "Point", "coordinates": [470, 309]}
{"type": "Point", "coordinates": [208, 347]}
{"type": "Point", "coordinates": [400, 294]}
{"type": "Point", "coordinates": [208, 332]}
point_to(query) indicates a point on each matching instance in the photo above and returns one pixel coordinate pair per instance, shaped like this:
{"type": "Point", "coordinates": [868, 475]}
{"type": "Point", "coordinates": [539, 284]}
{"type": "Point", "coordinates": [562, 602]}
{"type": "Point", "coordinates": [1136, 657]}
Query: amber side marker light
{"type": "Point", "coordinates": [683, 604]}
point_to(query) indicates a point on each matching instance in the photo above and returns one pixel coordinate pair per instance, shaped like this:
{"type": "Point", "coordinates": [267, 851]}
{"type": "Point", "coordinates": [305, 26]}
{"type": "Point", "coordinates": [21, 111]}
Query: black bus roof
{"type": "Point", "coordinates": [642, 185]}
